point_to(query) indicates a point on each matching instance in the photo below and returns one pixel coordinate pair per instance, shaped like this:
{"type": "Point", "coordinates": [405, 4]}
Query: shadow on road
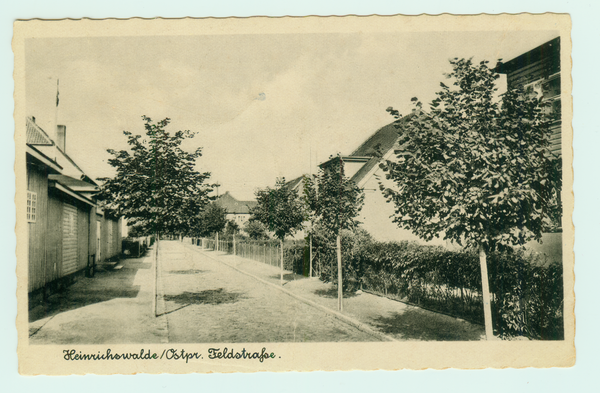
{"type": "Point", "coordinates": [210, 296]}
{"type": "Point", "coordinates": [428, 326]}
{"type": "Point", "coordinates": [104, 286]}
{"type": "Point", "coordinates": [288, 277]}
{"type": "Point", "coordinates": [333, 293]}
{"type": "Point", "coordinates": [190, 271]}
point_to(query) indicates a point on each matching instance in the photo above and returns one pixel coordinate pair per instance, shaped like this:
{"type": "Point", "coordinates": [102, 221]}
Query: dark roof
{"type": "Point", "coordinates": [293, 184]}
{"type": "Point", "coordinates": [233, 206]}
{"type": "Point", "coordinates": [549, 51]}
{"type": "Point", "coordinates": [74, 184]}
{"type": "Point", "coordinates": [383, 140]}
{"type": "Point", "coordinates": [35, 135]}
{"type": "Point", "coordinates": [362, 172]}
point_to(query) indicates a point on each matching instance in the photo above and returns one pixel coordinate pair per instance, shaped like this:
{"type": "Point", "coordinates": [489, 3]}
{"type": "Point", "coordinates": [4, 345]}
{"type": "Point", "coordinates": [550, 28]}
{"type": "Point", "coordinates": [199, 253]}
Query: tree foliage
{"type": "Point", "coordinates": [279, 209]}
{"type": "Point", "coordinates": [473, 167]}
{"type": "Point", "coordinates": [231, 228]}
{"type": "Point", "coordinates": [334, 199]}
{"type": "Point", "coordinates": [256, 230]}
{"type": "Point", "coordinates": [211, 220]}
{"type": "Point", "coordinates": [157, 187]}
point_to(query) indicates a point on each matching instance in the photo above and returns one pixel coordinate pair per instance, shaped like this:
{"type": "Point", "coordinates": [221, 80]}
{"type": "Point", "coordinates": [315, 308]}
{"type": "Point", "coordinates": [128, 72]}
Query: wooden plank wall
{"type": "Point", "coordinates": [83, 230]}
{"type": "Point", "coordinates": [555, 139]}
{"type": "Point", "coordinates": [99, 247]}
{"type": "Point", "coordinates": [533, 72]}
{"type": "Point", "coordinates": [92, 232]}
{"type": "Point", "coordinates": [111, 239]}
{"type": "Point", "coordinates": [37, 181]}
{"type": "Point", "coordinates": [54, 238]}
{"type": "Point", "coordinates": [70, 239]}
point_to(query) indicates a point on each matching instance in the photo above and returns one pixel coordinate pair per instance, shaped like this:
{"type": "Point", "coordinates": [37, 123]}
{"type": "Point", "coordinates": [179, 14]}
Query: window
{"type": "Point", "coordinates": [549, 90]}
{"type": "Point", "coordinates": [31, 206]}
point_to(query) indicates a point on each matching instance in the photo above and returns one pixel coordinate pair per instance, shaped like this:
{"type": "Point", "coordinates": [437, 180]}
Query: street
{"type": "Point", "coordinates": [204, 300]}
{"type": "Point", "coordinates": [198, 300]}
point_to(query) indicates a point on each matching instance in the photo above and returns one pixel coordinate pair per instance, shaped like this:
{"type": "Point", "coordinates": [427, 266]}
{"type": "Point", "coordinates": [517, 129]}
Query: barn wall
{"type": "Point", "coordinates": [69, 239]}
{"type": "Point", "coordinates": [119, 236]}
{"type": "Point", "coordinates": [54, 238]}
{"type": "Point", "coordinates": [111, 237]}
{"type": "Point", "coordinates": [92, 231]}
{"type": "Point", "coordinates": [83, 229]}
{"type": "Point", "coordinates": [104, 239]}
{"type": "Point", "coordinates": [37, 181]}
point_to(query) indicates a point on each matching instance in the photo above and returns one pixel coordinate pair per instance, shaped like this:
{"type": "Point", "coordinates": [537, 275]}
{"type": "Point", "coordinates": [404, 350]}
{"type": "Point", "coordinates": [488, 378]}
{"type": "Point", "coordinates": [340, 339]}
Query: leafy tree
{"type": "Point", "coordinates": [156, 186]}
{"type": "Point", "coordinates": [474, 169]}
{"type": "Point", "coordinates": [212, 220]}
{"type": "Point", "coordinates": [336, 201]}
{"type": "Point", "coordinates": [280, 210]}
{"type": "Point", "coordinates": [256, 230]}
{"type": "Point", "coordinates": [231, 228]}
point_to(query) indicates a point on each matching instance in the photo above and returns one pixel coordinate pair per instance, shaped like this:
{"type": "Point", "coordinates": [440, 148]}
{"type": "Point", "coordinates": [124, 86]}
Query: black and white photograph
{"type": "Point", "coordinates": [274, 194]}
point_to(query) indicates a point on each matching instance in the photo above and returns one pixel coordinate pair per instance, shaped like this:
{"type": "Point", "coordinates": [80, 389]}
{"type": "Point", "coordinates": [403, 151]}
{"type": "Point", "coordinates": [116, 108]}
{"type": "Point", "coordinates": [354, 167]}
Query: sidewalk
{"type": "Point", "coordinates": [398, 320]}
{"type": "Point", "coordinates": [115, 306]}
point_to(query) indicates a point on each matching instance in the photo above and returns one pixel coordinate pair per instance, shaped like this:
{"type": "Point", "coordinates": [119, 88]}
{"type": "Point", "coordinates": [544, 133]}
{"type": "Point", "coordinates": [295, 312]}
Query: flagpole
{"type": "Point", "coordinates": [56, 118]}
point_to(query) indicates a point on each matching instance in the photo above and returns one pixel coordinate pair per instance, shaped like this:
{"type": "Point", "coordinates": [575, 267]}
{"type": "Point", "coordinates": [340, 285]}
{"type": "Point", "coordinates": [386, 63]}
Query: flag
{"type": "Point", "coordinates": [57, 92]}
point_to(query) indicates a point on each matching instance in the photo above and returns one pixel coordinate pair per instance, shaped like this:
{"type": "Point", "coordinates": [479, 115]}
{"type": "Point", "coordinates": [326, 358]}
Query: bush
{"type": "Point", "coordinates": [295, 257]}
{"type": "Point", "coordinates": [527, 296]}
{"type": "Point", "coordinates": [325, 257]}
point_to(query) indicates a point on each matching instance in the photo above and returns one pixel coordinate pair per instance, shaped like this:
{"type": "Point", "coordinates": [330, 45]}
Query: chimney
{"type": "Point", "coordinates": [61, 138]}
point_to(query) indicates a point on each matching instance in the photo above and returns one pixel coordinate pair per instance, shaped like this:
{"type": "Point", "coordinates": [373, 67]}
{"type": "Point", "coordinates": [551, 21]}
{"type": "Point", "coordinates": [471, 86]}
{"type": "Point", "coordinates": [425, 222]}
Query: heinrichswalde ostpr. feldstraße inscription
{"type": "Point", "coordinates": [170, 354]}
{"type": "Point", "coordinates": [331, 185]}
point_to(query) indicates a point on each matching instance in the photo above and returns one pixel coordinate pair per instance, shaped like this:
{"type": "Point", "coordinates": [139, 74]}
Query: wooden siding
{"type": "Point", "coordinates": [54, 238]}
{"type": "Point", "coordinates": [99, 247]}
{"type": "Point", "coordinates": [556, 139]}
{"type": "Point", "coordinates": [69, 241]}
{"type": "Point", "coordinates": [533, 72]}
{"type": "Point", "coordinates": [92, 233]}
{"type": "Point", "coordinates": [540, 69]}
{"type": "Point", "coordinates": [37, 181]}
{"type": "Point", "coordinates": [119, 237]}
{"type": "Point", "coordinates": [110, 241]}
{"type": "Point", "coordinates": [83, 230]}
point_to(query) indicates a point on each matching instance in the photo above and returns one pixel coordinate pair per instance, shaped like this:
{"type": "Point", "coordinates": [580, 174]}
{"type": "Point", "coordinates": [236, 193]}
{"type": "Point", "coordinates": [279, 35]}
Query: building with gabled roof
{"type": "Point", "coordinates": [237, 211]}
{"type": "Point", "coordinates": [362, 167]}
{"type": "Point", "coordinates": [68, 234]}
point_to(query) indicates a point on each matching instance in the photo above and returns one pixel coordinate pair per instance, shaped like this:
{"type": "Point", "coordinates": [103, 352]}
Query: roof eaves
{"type": "Point", "coordinates": [32, 151]}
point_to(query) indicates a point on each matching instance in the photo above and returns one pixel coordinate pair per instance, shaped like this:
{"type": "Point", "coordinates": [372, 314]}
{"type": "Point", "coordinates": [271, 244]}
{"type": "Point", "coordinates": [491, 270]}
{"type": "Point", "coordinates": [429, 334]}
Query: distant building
{"type": "Point", "coordinates": [68, 234]}
{"type": "Point", "coordinates": [237, 211]}
{"type": "Point", "coordinates": [362, 166]}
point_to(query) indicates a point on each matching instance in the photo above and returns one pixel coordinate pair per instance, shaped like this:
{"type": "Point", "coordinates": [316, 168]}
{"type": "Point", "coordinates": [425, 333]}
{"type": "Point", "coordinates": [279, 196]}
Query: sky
{"type": "Point", "coordinates": [263, 106]}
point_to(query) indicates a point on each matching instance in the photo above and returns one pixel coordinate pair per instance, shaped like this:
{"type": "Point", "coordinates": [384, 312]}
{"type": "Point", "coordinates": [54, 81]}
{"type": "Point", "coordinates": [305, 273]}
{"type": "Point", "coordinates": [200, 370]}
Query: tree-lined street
{"type": "Point", "coordinates": [199, 300]}
{"type": "Point", "coordinates": [204, 300]}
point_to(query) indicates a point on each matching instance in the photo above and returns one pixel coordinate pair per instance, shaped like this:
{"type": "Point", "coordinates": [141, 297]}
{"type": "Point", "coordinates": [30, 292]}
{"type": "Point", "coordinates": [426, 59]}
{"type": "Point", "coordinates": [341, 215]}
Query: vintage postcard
{"type": "Point", "coordinates": [294, 194]}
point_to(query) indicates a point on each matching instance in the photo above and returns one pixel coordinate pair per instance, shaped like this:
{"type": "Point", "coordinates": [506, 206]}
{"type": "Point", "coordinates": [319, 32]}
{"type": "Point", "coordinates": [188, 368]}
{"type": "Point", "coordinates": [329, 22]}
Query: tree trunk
{"type": "Point", "coordinates": [217, 242]}
{"type": "Point", "coordinates": [310, 255]}
{"type": "Point", "coordinates": [339, 263]}
{"type": "Point", "coordinates": [485, 291]}
{"type": "Point", "coordinates": [281, 243]}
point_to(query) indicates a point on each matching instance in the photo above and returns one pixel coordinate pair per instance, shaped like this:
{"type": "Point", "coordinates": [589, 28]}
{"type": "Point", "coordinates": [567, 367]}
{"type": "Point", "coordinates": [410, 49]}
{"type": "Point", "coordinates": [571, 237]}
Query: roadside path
{"type": "Point", "coordinates": [113, 307]}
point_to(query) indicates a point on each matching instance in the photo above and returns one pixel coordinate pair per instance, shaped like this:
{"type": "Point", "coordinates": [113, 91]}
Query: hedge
{"type": "Point", "coordinates": [527, 294]}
